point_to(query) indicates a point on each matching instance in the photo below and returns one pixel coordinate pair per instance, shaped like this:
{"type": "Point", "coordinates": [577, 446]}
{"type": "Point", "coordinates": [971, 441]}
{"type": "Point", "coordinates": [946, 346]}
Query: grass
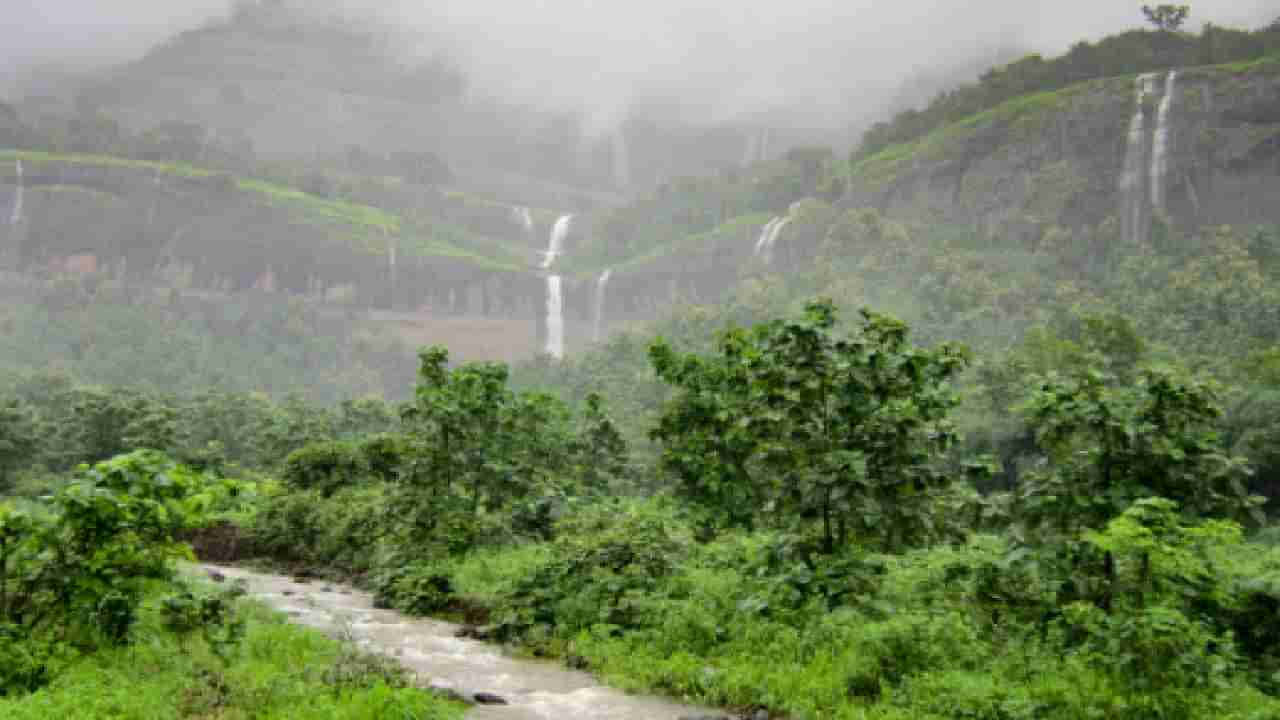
{"type": "Point", "coordinates": [38, 158]}
{"type": "Point", "coordinates": [882, 166]}
{"type": "Point", "coordinates": [917, 649]}
{"type": "Point", "coordinates": [363, 226]}
{"type": "Point", "coordinates": [322, 209]}
{"type": "Point", "coordinates": [732, 229]}
{"type": "Point", "coordinates": [277, 673]}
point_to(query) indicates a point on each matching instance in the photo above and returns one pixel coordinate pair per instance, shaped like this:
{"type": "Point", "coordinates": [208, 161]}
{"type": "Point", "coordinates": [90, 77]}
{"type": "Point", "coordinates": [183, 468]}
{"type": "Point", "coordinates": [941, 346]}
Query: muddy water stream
{"type": "Point", "coordinates": [535, 690]}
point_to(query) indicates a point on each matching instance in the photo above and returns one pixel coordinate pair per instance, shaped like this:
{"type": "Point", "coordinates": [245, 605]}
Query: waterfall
{"type": "Point", "coordinates": [1160, 144]}
{"type": "Point", "coordinates": [16, 217]}
{"type": "Point", "coordinates": [524, 216]}
{"type": "Point", "coordinates": [602, 283]}
{"type": "Point", "coordinates": [555, 317]}
{"type": "Point", "coordinates": [757, 149]}
{"type": "Point", "coordinates": [621, 160]}
{"type": "Point", "coordinates": [769, 237]}
{"type": "Point", "coordinates": [558, 233]}
{"type": "Point", "coordinates": [555, 289]}
{"type": "Point", "coordinates": [1132, 196]}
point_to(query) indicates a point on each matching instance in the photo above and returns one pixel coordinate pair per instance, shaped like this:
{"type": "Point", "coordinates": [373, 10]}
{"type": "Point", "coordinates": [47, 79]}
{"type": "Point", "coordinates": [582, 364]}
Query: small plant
{"type": "Point", "coordinates": [213, 616]}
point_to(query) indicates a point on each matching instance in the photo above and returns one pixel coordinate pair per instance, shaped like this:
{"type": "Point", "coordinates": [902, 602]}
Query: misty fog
{"type": "Point", "coordinates": [808, 63]}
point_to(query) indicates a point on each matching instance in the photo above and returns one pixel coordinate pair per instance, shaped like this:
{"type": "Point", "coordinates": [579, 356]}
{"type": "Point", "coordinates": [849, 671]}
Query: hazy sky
{"type": "Point", "coordinates": [727, 57]}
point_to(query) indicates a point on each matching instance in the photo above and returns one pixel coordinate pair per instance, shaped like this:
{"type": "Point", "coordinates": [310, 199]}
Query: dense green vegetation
{"type": "Point", "coordinates": [908, 470]}
{"type": "Point", "coordinates": [95, 618]}
{"type": "Point", "coordinates": [99, 331]}
{"type": "Point", "coordinates": [813, 538]}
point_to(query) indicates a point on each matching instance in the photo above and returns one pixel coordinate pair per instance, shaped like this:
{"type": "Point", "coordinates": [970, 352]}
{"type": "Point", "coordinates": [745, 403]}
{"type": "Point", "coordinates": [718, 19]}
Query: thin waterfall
{"type": "Point", "coordinates": [752, 153]}
{"type": "Point", "coordinates": [769, 237]}
{"type": "Point", "coordinates": [757, 149]}
{"type": "Point", "coordinates": [555, 289]}
{"type": "Point", "coordinates": [558, 233]}
{"type": "Point", "coordinates": [621, 160]}
{"type": "Point", "coordinates": [1160, 144]}
{"type": "Point", "coordinates": [16, 217]}
{"type": "Point", "coordinates": [602, 283]}
{"type": "Point", "coordinates": [555, 317]}
{"type": "Point", "coordinates": [524, 216]}
{"type": "Point", "coordinates": [1132, 196]}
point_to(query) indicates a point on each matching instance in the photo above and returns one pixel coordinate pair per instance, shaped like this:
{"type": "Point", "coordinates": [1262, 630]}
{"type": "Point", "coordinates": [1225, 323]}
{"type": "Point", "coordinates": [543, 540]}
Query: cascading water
{"type": "Point", "coordinates": [555, 290]}
{"type": "Point", "coordinates": [555, 317]}
{"type": "Point", "coordinates": [602, 284]}
{"type": "Point", "coordinates": [524, 216]}
{"type": "Point", "coordinates": [757, 149]}
{"type": "Point", "coordinates": [1160, 144]}
{"type": "Point", "coordinates": [769, 237]}
{"type": "Point", "coordinates": [16, 217]}
{"type": "Point", "coordinates": [558, 233]}
{"type": "Point", "coordinates": [1133, 197]}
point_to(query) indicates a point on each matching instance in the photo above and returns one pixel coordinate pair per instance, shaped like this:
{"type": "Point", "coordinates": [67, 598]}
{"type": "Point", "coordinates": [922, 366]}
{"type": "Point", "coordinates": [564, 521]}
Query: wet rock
{"type": "Point", "coordinates": [760, 714]}
{"type": "Point", "coordinates": [287, 593]}
{"type": "Point", "coordinates": [448, 693]}
{"type": "Point", "coordinates": [577, 662]}
{"type": "Point", "coordinates": [474, 632]}
{"type": "Point", "coordinates": [216, 576]}
{"type": "Point", "coordinates": [484, 698]}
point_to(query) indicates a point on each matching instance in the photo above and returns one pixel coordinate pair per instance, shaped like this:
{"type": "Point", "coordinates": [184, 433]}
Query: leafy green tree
{"type": "Point", "coordinates": [18, 439]}
{"type": "Point", "coordinates": [791, 421]}
{"type": "Point", "coordinates": [1166, 18]}
{"type": "Point", "coordinates": [78, 567]}
{"type": "Point", "coordinates": [324, 466]}
{"type": "Point", "coordinates": [295, 423]}
{"type": "Point", "coordinates": [1109, 445]}
{"type": "Point", "coordinates": [599, 451]}
{"type": "Point", "coordinates": [453, 419]}
{"type": "Point", "coordinates": [94, 430]}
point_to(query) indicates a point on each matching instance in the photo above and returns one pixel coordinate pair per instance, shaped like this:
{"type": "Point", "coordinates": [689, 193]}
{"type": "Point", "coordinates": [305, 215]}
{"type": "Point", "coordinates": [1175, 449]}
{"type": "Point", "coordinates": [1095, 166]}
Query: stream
{"type": "Point", "coordinates": [535, 690]}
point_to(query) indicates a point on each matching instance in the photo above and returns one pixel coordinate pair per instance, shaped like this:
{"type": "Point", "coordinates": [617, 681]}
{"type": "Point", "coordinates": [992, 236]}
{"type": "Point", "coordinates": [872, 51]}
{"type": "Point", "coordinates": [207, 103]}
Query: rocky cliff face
{"type": "Point", "coordinates": [1057, 159]}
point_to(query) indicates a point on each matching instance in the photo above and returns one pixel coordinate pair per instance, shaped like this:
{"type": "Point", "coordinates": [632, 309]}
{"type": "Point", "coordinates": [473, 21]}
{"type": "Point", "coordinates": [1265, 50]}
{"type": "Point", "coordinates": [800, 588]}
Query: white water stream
{"type": "Point", "coordinates": [535, 690]}
{"type": "Point", "coordinates": [556, 246]}
{"type": "Point", "coordinates": [1160, 144]}
{"type": "Point", "coordinates": [555, 288]}
{"type": "Point", "coordinates": [769, 237]}
{"type": "Point", "coordinates": [18, 198]}
{"type": "Point", "coordinates": [602, 283]}
{"type": "Point", "coordinates": [1132, 196]}
{"type": "Point", "coordinates": [525, 217]}
{"type": "Point", "coordinates": [555, 317]}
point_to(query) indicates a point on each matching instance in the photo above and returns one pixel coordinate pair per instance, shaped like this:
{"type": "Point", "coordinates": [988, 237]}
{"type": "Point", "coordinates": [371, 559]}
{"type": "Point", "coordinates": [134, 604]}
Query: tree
{"type": "Point", "coordinates": [18, 438]}
{"type": "Point", "coordinates": [1109, 445]}
{"type": "Point", "coordinates": [1167, 18]}
{"type": "Point", "coordinates": [475, 446]}
{"type": "Point", "coordinates": [600, 452]}
{"type": "Point", "coordinates": [789, 422]}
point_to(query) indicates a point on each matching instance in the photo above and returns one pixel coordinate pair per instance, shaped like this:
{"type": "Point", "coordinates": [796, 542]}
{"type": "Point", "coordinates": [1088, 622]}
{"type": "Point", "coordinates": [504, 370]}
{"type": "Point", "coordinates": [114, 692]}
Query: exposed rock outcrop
{"type": "Point", "coordinates": [1056, 158]}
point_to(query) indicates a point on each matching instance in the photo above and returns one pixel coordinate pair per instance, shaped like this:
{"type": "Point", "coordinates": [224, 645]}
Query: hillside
{"type": "Point", "coordinates": [1045, 160]}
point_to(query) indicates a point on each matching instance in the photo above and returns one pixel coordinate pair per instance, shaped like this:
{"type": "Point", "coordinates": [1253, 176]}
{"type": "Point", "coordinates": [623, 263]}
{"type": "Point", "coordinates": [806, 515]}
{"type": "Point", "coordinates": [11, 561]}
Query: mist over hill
{"type": "Point", "coordinates": [808, 64]}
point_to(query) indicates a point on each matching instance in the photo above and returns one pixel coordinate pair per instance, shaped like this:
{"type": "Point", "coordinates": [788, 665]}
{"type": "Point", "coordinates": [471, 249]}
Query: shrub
{"type": "Point", "coordinates": [325, 466]}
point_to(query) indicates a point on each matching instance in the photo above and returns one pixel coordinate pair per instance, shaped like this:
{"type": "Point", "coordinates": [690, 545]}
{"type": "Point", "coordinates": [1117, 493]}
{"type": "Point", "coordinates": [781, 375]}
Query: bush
{"type": "Point", "coordinates": [325, 466]}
